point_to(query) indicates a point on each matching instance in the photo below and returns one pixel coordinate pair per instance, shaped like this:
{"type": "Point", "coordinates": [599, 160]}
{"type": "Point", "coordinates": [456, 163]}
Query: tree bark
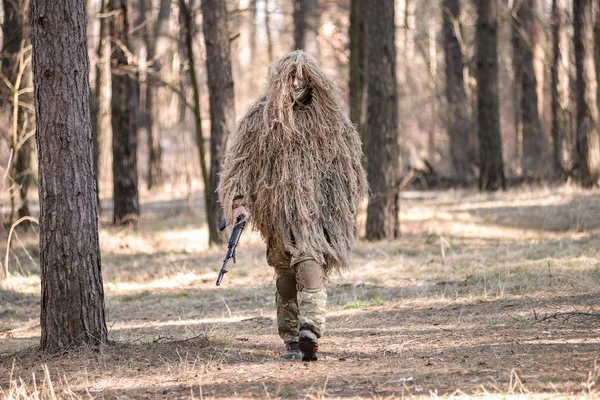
{"type": "Point", "coordinates": [306, 25]}
{"type": "Point", "coordinates": [221, 98]}
{"type": "Point", "coordinates": [517, 67]}
{"type": "Point", "coordinates": [123, 106]}
{"type": "Point", "coordinates": [152, 37]}
{"type": "Point", "coordinates": [597, 62]}
{"type": "Point", "coordinates": [380, 127]}
{"type": "Point", "coordinates": [357, 60]}
{"type": "Point", "coordinates": [535, 144]}
{"type": "Point", "coordinates": [458, 104]}
{"type": "Point", "coordinates": [268, 31]}
{"type": "Point", "coordinates": [558, 124]}
{"type": "Point", "coordinates": [72, 308]}
{"type": "Point", "coordinates": [16, 70]}
{"type": "Point", "coordinates": [587, 146]}
{"type": "Point", "coordinates": [491, 169]}
{"type": "Point", "coordinates": [102, 103]}
{"type": "Point", "coordinates": [188, 22]}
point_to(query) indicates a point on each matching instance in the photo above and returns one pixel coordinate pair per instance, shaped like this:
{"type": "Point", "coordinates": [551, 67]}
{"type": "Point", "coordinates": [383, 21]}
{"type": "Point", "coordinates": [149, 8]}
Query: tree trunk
{"type": "Point", "coordinates": [16, 70]}
{"type": "Point", "coordinates": [535, 144]}
{"type": "Point", "coordinates": [558, 123]}
{"type": "Point", "coordinates": [458, 104]}
{"type": "Point", "coordinates": [357, 60]}
{"type": "Point", "coordinates": [306, 25]}
{"type": "Point", "coordinates": [268, 31]}
{"type": "Point", "coordinates": [220, 89]}
{"type": "Point", "coordinates": [72, 308]}
{"type": "Point", "coordinates": [597, 62]}
{"type": "Point", "coordinates": [587, 157]}
{"type": "Point", "coordinates": [491, 169]}
{"type": "Point", "coordinates": [123, 106]}
{"type": "Point", "coordinates": [102, 122]}
{"type": "Point", "coordinates": [380, 127]}
{"type": "Point", "coordinates": [517, 67]}
{"type": "Point", "coordinates": [152, 37]}
{"type": "Point", "coordinates": [188, 22]}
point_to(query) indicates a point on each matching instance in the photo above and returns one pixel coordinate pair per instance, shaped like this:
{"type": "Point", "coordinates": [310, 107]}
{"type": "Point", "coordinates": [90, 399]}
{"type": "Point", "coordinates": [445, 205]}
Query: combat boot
{"type": "Point", "coordinates": [292, 351]}
{"type": "Point", "coordinates": [308, 345]}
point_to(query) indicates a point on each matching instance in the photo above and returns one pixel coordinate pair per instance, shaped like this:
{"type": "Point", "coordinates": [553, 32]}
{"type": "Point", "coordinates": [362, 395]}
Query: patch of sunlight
{"type": "Point", "coordinates": [190, 241]}
{"type": "Point", "coordinates": [124, 326]}
{"type": "Point", "coordinates": [27, 284]}
{"type": "Point", "coordinates": [372, 302]}
{"type": "Point", "coordinates": [538, 342]}
{"type": "Point", "coordinates": [177, 281]}
{"type": "Point", "coordinates": [122, 243]}
{"type": "Point", "coordinates": [538, 199]}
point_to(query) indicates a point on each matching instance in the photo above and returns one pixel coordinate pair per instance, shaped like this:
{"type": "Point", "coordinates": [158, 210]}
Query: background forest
{"type": "Point", "coordinates": [546, 95]}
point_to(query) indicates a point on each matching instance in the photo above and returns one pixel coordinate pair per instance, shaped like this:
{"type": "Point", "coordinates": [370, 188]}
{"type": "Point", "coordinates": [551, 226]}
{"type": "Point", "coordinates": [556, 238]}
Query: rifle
{"type": "Point", "coordinates": [239, 226]}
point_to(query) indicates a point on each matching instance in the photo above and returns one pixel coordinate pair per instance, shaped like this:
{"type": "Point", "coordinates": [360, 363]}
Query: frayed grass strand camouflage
{"type": "Point", "coordinates": [298, 171]}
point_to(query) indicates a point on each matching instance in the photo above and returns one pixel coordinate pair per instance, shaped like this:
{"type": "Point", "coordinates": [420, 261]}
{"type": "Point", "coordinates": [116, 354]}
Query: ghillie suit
{"type": "Point", "coordinates": [294, 162]}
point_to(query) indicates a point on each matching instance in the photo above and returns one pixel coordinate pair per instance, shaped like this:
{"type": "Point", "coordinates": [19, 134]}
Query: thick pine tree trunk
{"type": "Point", "coordinates": [306, 25]}
{"type": "Point", "coordinates": [123, 106]}
{"type": "Point", "coordinates": [221, 98]}
{"type": "Point", "coordinates": [72, 295]}
{"type": "Point", "coordinates": [491, 169]}
{"type": "Point", "coordinates": [380, 127]}
{"type": "Point", "coordinates": [535, 144]}
{"type": "Point", "coordinates": [587, 146]}
{"type": "Point", "coordinates": [458, 104]}
{"type": "Point", "coordinates": [357, 61]}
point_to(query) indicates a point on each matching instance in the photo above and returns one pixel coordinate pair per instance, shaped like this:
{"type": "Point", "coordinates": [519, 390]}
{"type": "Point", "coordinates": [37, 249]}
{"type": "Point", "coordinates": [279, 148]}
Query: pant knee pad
{"type": "Point", "coordinates": [286, 286]}
{"type": "Point", "coordinates": [310, 275]}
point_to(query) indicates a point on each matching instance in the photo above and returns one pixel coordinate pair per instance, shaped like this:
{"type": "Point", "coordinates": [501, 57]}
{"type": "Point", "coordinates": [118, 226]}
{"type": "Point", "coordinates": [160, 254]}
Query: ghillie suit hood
{"type": "Point", "coordinates": [297, 168]}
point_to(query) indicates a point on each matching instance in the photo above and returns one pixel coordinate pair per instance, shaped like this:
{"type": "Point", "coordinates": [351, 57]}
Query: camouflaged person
{"type": "Point", "coordinates": [292, 168]}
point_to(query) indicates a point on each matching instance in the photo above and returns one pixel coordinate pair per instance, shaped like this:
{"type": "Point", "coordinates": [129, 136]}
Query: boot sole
{"type": "Point", "coordinates": [309, 349]}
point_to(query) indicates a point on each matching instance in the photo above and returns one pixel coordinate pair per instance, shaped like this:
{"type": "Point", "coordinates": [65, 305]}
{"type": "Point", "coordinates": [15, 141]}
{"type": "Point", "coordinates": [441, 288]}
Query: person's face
{"type": "Point", "coordinates": [296, 81]}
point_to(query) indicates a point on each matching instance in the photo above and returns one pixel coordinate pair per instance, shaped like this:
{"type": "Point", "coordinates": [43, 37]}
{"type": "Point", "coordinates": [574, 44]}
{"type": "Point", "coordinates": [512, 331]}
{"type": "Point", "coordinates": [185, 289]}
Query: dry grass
{"type": "Point", "coordinates": [483, 296]}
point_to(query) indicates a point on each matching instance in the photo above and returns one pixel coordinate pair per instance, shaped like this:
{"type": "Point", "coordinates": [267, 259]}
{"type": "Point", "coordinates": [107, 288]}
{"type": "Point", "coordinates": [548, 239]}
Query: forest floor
{"type": "Point", "coordinates": [483, 295]}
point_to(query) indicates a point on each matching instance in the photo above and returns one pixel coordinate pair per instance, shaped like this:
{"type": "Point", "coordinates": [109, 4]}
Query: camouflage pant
{"type": "Point", "coordinates": [301, 295]}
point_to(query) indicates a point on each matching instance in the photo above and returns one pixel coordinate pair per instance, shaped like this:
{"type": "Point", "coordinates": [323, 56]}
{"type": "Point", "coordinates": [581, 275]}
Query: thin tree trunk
{"type": "Point", "coordinates": [103, 120]}
{"type": "Point", "coordinates": [152, 37]}
{"type": "Point", "coordinates": [558, 131]}
{"type": "Point", "coordinates": [432, 57]}
{"type": "Point", "coordinates": [253, 14]}
{"type": "Point", "coordinates": [188, 22]}
{"type": "Point", "coordinates": [72, 307]}
{"type": "Point", "coordinates": [491, 169]}
{"type": "Point", "coordinates": [222, 106]}
{"type": "Point", "coordinates": [517, 67]}
{"type": "Point", "coordinates": [306, 25]}
{"type": "Point", "coordinates": [597, 61]}
{"type": "Point", "coordinates": [268, 31]}
{"type": "Point", "coordinates": [16, 70]}
{"type": "Point", "coordinates": [535, 144]}
{"type": "Point", "coordinates": [380, 127]}
{"type": "Point", "coordinates": [458, 105]}
{"type": "Point", "coordinates": [587, 157]}
{"type": "Point", "coordinates": [123, 106]}
{"type": "Point", "coordinates": [407, 50]}
{"type": "Point", "coordinates": [356, 33]}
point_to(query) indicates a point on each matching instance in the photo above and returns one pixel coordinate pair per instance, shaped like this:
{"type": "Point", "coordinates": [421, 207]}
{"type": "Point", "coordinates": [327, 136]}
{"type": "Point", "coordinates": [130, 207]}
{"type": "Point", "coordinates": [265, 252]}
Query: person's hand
{"type": "Point", "coordinates": [240, 210]}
